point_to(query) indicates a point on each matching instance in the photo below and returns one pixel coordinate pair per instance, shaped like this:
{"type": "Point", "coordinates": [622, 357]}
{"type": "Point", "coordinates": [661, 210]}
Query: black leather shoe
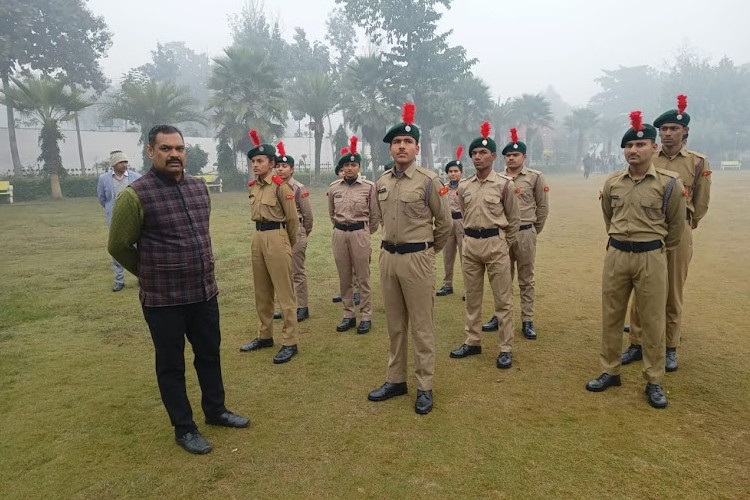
{"type": "Point", "coordinates": [193, 442]}
{"type": "Point", "coordinates": [603, 381]}
{"type": "Point", "coordinates": [656, 397]}
{"type": "Point", "coordinates": [423, 406]}
{"type": "Point", "coordinates": [626, 328]}
{"type": "Point", "coordinates": [364, 327]}
{"type": "Point", "coordinates": [670, 364]}
{"type": "Point", "coordinates": [632, 353]}
{"type": "Point", "coordinates": [277, 315]}
{"type": "Point", "coordinates": [446, 290]}
{"type": "Point", "coordinates": [117, 287]}
{"type": "Point", "coordinates": [466, 350]}
{"type": "Point", "coordinates": [286, 353]}
{"type": "Point", "coordinates": [302, 314]}
{"type": "Point", "coordinates": [528, 331]}
{"type": "Point", "coordinates": [356, 299]}
{"type": "Point", "coordinates": [337, 298]}
{"type": "Point", "coordinates": [257, 343]}
{"type": "Point", "coordinates": [492, 325]}
{"type": "Point", "coordinates": [387, 391]}
{"type": "Point", "coordinates": [504, 360]}
{"type": "Point", "coordinates": [228, 419]}
{"type": "Point", "coordinates": [346, 324]}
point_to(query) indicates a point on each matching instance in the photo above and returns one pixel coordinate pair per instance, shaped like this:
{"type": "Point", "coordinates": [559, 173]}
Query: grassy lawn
{"type": "Point", "coordinates": [80, 414]}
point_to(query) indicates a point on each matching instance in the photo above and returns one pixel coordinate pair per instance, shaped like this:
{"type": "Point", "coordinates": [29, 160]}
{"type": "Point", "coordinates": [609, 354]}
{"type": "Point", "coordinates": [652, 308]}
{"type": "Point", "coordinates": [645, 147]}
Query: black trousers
{"type": "Point", "coordinates": [169, 326]}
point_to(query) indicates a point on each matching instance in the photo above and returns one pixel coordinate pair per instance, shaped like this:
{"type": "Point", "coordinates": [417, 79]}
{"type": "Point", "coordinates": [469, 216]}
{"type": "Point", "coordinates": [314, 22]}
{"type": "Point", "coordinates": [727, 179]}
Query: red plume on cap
{"type": "Point", "coordinates": [459, 152]}
{"type": "Point", "coordinates": [681, 103]}
{"type": "Point", "coordinates": [408, 114]}
{"type": "Point", "coordinates": [344, 151]}
{"type": "Point", "coordinates": [636, 120]}
{"type": "Point", "coordinates": [353, 144]}
{"type": "Point", "coordinates": [485, 129]}
{"type": "Point", "coordinates": [514, 135]}
{"type": "Point", "coordinates": [254, 137]}
{"type": "Point", "coordinates": [280, 149]}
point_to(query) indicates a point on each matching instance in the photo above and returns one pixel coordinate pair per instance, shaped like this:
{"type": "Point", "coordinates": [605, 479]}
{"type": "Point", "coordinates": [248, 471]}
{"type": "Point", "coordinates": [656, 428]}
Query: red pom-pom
{"type": "Point", "coordinates": [681, 103]}
{"type": "Point", "coordinates": [254, 137]}
{"type": "Point", "coordinates": [485, 129]}
{"type": "Point", "coordinates": [344, 150]}
{"type": "Point", "coordinates": [353, 144]}
{"type": "Point", "coordinates": [636, 120]}
{"type": "Point", "coordinates": [459, 152]}
{"type": "Point", "coordinates": [280, 149]}
{"type": "Point", "coordinates": [409, 111]}
{"type": "Point", "coordinates": [514, 135]}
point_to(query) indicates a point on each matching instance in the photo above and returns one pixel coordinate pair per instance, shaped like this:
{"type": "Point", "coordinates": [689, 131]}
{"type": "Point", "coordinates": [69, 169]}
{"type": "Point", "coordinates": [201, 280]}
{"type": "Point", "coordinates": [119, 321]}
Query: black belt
{"type": "Point", "coordinates": [269, 226]}
{"type": "Point", "coordinates": [350, 227]}
{"type": "Point", "coordinates": [405, 247]}
{"type": "Point", "coordinates": [635, 246]}
{"type": "Point", "coordinates": [525, 227]}
{"type": "Point", "coordinates": [456, 215]}
{"type": "Point", "coordinates": [482, 233]}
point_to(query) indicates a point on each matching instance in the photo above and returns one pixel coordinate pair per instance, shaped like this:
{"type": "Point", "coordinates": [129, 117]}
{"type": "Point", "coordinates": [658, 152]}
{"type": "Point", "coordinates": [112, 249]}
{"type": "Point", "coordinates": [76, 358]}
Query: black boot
{"type": "Point", "coordinates": [528, 331]}
{"type": "Point", "coordinates": [492, 325]}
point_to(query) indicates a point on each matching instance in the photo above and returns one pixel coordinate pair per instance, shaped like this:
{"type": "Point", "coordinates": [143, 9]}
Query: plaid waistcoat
{"type": "Point", "coordinates": [175, 260]}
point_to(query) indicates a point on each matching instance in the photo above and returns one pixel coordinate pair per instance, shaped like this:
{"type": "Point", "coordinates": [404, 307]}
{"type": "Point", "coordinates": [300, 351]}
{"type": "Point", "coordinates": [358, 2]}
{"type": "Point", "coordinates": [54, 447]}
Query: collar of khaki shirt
{"type": "Point", "coordinates": [409, 170]}
{"type": "Point", "coordinates": [267, 179]}
{"type": "Point", "coordinates": [681, 152]}
{"type": "Point", "coordinates": [492, 177]}
{"type": "Point", "coordinates": [651, 171]}
{"type": "Point", "coordinates": [524, 171]}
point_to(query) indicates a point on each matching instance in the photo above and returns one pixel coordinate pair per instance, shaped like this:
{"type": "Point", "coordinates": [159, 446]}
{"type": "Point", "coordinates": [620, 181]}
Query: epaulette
{"type": "Point", "coordinates": [426, 172]}
{"type": "Point", "coordinates": [668, 173]}
{"type": "Point", "coordinates": [252, 183]}
{"type": "Point", "coordinates": [386, 172]}
{"type": "Point", "coordinates": [696, 153]}
{"type": "Point", "coordinates": [277, 180]}
{"type": "Point", "coordinates": [335, 182]}
{"type": "Point", "coordinates": [367, 181]}
{"type": "Point", "coordinates": [506, 177]}
{"type": "Point", "coordinates": [538, 172]}
{"type": "Point", "coordinates": [467, 179]}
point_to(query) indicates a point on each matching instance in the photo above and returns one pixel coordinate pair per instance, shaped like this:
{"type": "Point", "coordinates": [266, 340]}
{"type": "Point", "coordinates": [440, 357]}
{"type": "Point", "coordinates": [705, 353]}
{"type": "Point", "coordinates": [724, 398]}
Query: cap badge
{"type": "Point", "coordinates": [260, 148]}
{"type": "Point", "coordinates": [283, 158]}
{"type": "Point", "coordinates": [484, 142]}
{"type": "Point", "coordinates": [679, 117]}
{"type": "Point", "coordinates": [351, 158]}
{"type": "Point", "coordinates": [515, 146]}
{"type": "Point", "coordinates": [407, 128]}
{"type": "Point", "coordinates": [639, 133]}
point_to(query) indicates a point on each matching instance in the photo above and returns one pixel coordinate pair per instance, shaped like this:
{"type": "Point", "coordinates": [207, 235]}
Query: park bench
{"type": "Point", "coordinates": [6, 189]}
{"type": "Point", "coordinates": [212, 181]}
{"type": "Point", "coordinates": [730, 164]}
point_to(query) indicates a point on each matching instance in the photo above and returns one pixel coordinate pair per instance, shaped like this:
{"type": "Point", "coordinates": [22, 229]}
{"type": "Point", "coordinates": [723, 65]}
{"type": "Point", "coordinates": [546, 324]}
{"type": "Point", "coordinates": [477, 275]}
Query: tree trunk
{"type": "Point", "coordinates": [50, 155]}
{"type": "Point", "coordinates": [17, 167]}
{"type": "Point", "coordinates": [80, 146]}
{"type": "Point", "coordinates": [55, 188]}
{"type": "Point", "coordinates": [579, 147]}
{"type": "Point", "coordinates": [318, 129]}
{"type": "Point", "coordinates": [426, 149]}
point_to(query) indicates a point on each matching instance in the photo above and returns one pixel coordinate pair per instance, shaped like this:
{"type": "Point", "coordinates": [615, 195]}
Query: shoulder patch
{"type": "Point", "coordinates": [277, 180]}
{"type": "Point", "coordinates": [706, 173]}
{"type": "Point", "coordinates": [444, 190]}
{"type": "Point", "coordinates": [305, 194]}
{"type": "Point", "coordinates": [252, 183]}
{"type": "Point", "coordinates": [290, 196]}
{"type": "Point", "coordinates": [546, 189]}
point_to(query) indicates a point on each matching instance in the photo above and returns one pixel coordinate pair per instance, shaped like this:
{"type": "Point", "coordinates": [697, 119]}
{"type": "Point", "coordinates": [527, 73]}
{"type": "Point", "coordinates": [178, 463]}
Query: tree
{"type": "Point", "coordinates": [626, 89]}
{"type": "Point", "coordinates": [53, 37]}
{"type": "Point", "coordinates": [580, 121]}
{"type": "Point", "coordinates": [47, 102]}
{"type": "Point", "coordinates": [196, 159]}
{"type": "Point", "coordinates": [533, 113]}
{"type": "Point", "coordinates": [151, 104]}
{"type": "Point", "coordinates": [343, 42]}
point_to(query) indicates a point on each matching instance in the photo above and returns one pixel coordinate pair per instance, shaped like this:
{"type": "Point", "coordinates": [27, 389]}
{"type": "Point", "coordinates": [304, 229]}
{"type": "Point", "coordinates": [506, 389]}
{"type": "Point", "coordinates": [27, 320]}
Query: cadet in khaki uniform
{"type": "Point", "coordinates": [695, 173]}
{"type": "Point", "coordinates": [454, 169]}
{"type": "Point", "coordinates": [354, 212]}
{"type": "Point", "coordinates": [644, 212]}
{"type": "Point", "coordinates": [491, 219]}
{"type": "Point", "coordinates": [416, 224]}
{"type": "Point", "coordinates": [285, 170]}
{"type": "Point", "coordinates": [275, 215]}
{"type": "Point", "coordinates": [532, 191]}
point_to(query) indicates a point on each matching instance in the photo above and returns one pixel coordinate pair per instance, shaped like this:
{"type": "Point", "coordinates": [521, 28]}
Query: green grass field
{"type": "Point", "coordinates": [80, 414]}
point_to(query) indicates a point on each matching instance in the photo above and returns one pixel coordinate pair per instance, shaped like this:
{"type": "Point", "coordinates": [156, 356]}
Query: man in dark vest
{"type": "Point", "coordinates": [160, 233]}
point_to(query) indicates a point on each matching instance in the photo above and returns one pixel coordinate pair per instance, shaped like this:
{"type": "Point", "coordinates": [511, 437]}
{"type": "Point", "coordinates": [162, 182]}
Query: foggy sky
{"type": "Point", "coordinates": [522, 46]}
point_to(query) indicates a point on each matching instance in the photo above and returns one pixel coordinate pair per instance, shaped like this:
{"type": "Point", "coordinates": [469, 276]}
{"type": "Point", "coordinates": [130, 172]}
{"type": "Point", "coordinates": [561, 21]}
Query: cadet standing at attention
{"type": "Point", "coordinates": [454, 169]}
{"type": "Point", "coordinates": [491, 220]}
{"type": "Point", "coordinates": [275, 215]}
{"type": "Point", "coordinates": [354, 212]}
{"type": "Point", "coordinates": [695, 173]}
{"type": "Point", "coordinates": [644, 214]}
{"type": "Point", "coordinates": [416, 224]}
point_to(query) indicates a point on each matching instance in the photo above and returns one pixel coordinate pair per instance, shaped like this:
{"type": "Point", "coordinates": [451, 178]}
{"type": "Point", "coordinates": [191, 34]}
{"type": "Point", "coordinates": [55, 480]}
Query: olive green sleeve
{"type": "Point", "coordinates": [125, 229]}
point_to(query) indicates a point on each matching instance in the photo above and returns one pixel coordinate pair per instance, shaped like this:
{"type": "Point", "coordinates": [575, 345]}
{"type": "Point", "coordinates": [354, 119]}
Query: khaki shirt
{"type": "Point", "coordinates": [302, 201]}
{"type": "Point", "coordinates": [272, 202]}
{"type": "Point", "coordinates": [633, 210]}
{"type": "Point", "coordinates": [454, 202]}
{"type": "Point", "coordinates": [412, 207]}
{"type": "Point", "coordinates": [353, 203]}
{"type": "Point", "coordinates": [685, 163]}
{"type": "Point", "coordinates": [533, 199]}
{"type": "Point", "coordinates": [490, 203]}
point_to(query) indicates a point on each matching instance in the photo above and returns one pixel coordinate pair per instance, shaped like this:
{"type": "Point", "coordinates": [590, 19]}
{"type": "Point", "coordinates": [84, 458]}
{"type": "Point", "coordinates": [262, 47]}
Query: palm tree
{"type": "Point", "coordinates": [364, 103]}
{"type": "Point", "coordinates": [581, 120]}
{"type": "Point", "coordinates": [247, 93]}
{"type": "Point", "coordinates": [315, 95]}
{"type": "Point", "coordinates": [532, 112]}
{"type": "Point", "coordinates": [152, 103]}
{"type": "Point", "coordinates": [47, 102]}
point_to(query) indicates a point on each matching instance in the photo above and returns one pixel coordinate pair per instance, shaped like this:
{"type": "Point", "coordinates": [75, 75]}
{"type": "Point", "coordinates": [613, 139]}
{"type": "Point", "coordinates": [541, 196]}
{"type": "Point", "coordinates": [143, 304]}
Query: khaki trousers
{"type": "Point", "coordinates": [522, 257]}
{"type": "Point", "coordinates": [408, 285]}
{"type": "Point", "coordinates": [645, 274]}
{"type": "Point", "coordinates": [451, 248]}
{"type": "Point", "coordinates": [299, 277]}
{"type": "Point", "coordinates": [351, 251]}
{"type": "Point", "coordinates": [678, 261]}
{"type": "Point", "coordinates": [272, 262]}
{"type": "Point", "coordinates": [490, 255]}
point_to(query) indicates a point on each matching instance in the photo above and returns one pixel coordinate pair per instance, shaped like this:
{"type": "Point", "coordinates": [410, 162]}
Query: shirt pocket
{"type": "Point", "coordinates": [413, 205]}
{"type": "Point", "coordinates": [652, 207]}
{"type": "Point", "coordinates": [493, 204]}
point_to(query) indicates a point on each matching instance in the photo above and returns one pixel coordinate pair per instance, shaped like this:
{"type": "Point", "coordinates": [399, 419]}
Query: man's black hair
{"type": "Point", "coordinates": [162, 129]}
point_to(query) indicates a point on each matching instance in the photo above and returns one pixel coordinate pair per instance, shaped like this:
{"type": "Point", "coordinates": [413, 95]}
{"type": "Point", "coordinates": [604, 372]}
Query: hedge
{"type": "Point", "coordinates": [37, 188]}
